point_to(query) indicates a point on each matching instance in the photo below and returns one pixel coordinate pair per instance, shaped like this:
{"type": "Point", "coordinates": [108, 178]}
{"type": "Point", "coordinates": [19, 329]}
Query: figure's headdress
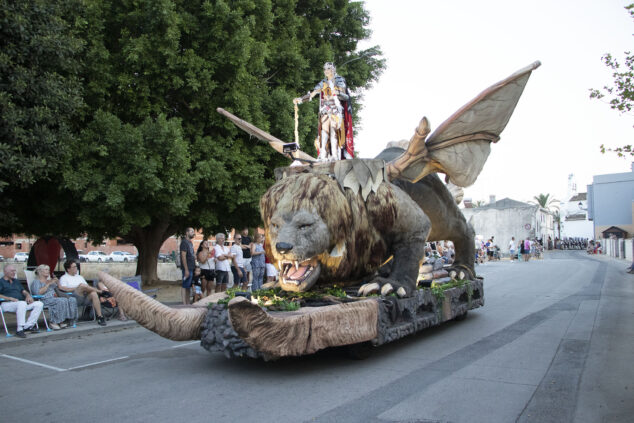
{"type": "Point", "coordinates": [330, 65]}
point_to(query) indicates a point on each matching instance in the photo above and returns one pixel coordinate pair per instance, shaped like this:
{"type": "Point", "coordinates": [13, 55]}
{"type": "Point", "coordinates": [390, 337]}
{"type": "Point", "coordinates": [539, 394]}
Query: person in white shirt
{"type": "Point", "coordinates": [512, 248]}
{"type": "Point", "coordinates": [223, 258]}
{"type": "Point", "coordinates": [237, 266]}
{"type": "Point", "coordinates": [85, 294]}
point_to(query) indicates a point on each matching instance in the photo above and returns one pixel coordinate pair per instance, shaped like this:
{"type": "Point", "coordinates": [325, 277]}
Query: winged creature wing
{"type": "Point", "coordinates": [274, 142]}
{"type": "Point", "coordinates": [460, 146]}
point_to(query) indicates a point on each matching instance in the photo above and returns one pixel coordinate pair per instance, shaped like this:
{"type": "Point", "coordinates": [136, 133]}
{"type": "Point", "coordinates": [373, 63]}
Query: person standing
{"type": "Point", "coordinates": [237, 268]}
{"type": "Point", "coordinates": [512, 248]}
{"type": "Point", "coordinates": [527, 249]}
{"type": "Point", "coordinates": [223, 263]}
{"type": "Point", "coordinates": [188, 262]}
{"type": "Point", "coordinates": [207, 268]}
{"type": "Point", "coordinates": [257, 262]}
{"type": "Point", "coordinates": [247, 242]}
{"type": "Point", "coordinates": [19, 301]}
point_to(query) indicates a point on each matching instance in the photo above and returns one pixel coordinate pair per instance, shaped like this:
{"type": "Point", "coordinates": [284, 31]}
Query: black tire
{"type": "Point", "coordinates": [461, 317]}
{"type": "Point", "coordinates": [359, 351]}
{"type": "Point", "coordinates": [99, 260]}
{"type": "Point", "coordinates": [125, 260]}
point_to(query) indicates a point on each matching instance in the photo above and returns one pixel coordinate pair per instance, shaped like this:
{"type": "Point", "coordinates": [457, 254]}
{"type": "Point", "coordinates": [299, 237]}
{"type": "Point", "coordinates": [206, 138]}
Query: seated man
{"type": "Point", "coordinates": [18, 301]}
{"type": "Point", "coordinates": [85, 294]}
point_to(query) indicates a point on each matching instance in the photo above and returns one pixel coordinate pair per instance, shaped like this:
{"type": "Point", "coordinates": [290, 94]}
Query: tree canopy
{"type": "Point", "coordinates": [621, 93]}
{"type": "Point", "coordinates": [40, 96]}
{"type": "Point", "coordinates": [149, 155]}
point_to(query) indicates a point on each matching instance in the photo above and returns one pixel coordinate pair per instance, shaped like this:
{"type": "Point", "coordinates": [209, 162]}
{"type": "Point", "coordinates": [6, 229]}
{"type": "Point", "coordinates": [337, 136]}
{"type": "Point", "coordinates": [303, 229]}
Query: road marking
{"type": "Point", "coordinates": [98, 362]}
{"type": "Point", "coordinates": [35, 363]}
{"type": "Point", "coordinates": [187, 344]}
{"type": "Point", "coordinates": [58, 369]}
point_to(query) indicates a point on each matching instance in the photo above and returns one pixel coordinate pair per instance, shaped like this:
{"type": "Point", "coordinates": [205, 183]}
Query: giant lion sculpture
{"type": "Point", "coordinates": [363, 222]}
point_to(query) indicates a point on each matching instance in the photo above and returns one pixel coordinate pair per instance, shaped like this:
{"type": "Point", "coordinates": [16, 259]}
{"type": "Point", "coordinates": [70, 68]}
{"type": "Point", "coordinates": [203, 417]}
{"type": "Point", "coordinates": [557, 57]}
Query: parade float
{"type": "Point", "coordinates": [348, 238]}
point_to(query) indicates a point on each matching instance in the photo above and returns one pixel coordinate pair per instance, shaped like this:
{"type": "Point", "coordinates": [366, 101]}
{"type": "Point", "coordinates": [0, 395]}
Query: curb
{"type": "Point", "coordinates": [83, 328]}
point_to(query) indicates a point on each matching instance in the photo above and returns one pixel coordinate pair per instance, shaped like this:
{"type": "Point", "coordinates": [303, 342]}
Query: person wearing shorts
{"type": "Point", "coordinates": [207, 266]}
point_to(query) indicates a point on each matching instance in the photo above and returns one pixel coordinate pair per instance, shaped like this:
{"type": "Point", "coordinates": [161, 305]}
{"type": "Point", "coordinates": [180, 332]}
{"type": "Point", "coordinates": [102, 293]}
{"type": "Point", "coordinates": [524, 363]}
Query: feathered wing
{"type": "Point", "coordinates": [461, 145]}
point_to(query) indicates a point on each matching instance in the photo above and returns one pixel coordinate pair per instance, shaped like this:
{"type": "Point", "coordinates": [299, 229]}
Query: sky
{"type": "Point", "coordinates": [441, 54]}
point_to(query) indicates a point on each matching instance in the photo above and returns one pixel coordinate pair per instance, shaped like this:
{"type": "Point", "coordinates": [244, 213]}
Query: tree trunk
{"type": "Point", "coordinates": [148, 241]}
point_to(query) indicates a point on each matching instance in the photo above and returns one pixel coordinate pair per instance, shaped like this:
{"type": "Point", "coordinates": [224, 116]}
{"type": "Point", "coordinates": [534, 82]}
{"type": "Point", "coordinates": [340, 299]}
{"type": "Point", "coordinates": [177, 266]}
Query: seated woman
{"type": "Point", "coordinates": [60, 309]}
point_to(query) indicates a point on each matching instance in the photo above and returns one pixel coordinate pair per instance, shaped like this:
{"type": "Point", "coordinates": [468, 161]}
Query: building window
{"type": "Point", "coordinates": [18, 245]}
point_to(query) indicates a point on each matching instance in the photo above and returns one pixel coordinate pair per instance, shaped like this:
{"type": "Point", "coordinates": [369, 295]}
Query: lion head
{"type": "Point", "coordinates": [307, 221]}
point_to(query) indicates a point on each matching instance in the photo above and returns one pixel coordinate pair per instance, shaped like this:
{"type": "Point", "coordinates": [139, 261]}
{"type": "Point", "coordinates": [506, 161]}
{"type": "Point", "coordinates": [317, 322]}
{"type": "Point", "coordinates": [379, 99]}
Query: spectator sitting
{"type": "Point", "coordinates": [18, 301]}
{"type": "Point", "coordinates": [60, 308]}
{"type": "Point", "coordinates": [85, 294]}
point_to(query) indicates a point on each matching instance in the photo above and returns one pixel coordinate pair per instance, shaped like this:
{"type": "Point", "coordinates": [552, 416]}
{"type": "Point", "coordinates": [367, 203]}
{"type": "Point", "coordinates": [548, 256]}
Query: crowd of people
{"type": "Point", "coordinates": [520, 250]}
{"type": "Point", "coordinates": [207, 271]}
{"type": "Point", "coordinates": [61, 296]}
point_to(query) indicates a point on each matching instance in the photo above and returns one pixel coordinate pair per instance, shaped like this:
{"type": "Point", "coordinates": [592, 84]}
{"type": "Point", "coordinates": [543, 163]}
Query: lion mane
{"type": "Point", "coordinates": [355, 227]}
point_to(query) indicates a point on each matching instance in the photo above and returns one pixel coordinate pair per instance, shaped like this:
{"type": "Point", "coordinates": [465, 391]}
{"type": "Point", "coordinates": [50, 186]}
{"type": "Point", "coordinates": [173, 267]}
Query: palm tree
{"type": "Point", "coordinates": [545, 201]}
{"type": "Point", "coordinates": [557, 218]}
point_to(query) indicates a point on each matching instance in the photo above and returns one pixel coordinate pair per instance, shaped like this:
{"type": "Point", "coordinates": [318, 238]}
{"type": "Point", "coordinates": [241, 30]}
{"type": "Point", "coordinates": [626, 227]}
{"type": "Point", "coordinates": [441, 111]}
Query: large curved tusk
{"type": "Point", "coordinates": [305, 331]}
{"type": "Point", "coordinates": [178, 324]}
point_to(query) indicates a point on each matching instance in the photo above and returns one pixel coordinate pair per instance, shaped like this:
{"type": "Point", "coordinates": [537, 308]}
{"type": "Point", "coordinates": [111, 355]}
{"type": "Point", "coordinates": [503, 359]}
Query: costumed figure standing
{"type": "Point", "coordinates": [335, 137]}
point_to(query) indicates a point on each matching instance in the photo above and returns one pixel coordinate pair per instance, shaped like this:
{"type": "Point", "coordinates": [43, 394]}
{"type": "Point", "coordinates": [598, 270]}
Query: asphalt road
{"type": "Point", "coordinates": [554, 343]}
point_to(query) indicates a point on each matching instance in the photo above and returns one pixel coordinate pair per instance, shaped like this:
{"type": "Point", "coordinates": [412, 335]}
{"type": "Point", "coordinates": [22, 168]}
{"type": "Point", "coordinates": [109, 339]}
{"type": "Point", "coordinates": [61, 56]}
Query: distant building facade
{"type": "Point", "coordinates": [508, 218]}
{"type": "Point", "coordinates": [611, 203]}
{"type": "Point", "coordinates": [574, 218]}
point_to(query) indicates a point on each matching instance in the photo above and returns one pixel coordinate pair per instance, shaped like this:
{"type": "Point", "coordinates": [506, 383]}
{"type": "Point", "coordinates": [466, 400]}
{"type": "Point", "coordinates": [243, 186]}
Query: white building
{"type": "Point", "coordinates": [508, 218]}
{"type": "Point", "coordinates": [574, 222]}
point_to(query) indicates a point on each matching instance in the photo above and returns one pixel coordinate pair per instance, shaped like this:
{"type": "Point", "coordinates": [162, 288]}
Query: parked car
{"type": "Point", "coordinates": [164, 258]}
{"type": "Point", "coordinates": [21, 257]}
{"type": "Point", "coordinates": [1, 258]}
{"type": "Point", "coordinates": [121, 256]}
{"type": "Point", "coordinates": [96, 256]}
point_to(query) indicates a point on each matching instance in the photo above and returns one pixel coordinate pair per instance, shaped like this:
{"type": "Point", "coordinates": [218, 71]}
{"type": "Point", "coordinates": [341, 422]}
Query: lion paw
{"type": "Point", "coordinates": [385, 288]}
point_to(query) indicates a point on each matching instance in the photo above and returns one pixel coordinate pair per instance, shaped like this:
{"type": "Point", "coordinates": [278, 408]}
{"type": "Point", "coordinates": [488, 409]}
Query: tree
{"type": "Point", "coordinates": [621, 94]}
{"type": "Point", "coordinates": [557, 219]}
{"type": "Point", "coordinates": [152, 156]}
{"type": "Point", "coordinates": [40, 96]}
{"type": "Point", "coordinates": [545, 201]}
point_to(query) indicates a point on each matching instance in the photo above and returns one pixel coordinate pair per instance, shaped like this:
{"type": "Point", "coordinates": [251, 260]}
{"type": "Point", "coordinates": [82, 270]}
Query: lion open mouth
{"type": "Point", "coordinates": [298, 276]}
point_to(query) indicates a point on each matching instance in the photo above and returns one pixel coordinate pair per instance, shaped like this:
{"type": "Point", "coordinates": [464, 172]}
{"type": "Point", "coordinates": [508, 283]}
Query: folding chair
{"type": "Point", "coordinates": [136, 283]}
{"type": "Point", "coordinates": [6, 331]}
{"type": "Point", "coordinates": [30, 276]}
